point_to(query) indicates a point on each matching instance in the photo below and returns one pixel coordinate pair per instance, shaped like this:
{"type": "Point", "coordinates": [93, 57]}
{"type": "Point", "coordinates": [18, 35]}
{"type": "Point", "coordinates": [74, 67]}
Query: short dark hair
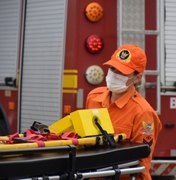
{"type": "Point", "coordinates": [136, 72]}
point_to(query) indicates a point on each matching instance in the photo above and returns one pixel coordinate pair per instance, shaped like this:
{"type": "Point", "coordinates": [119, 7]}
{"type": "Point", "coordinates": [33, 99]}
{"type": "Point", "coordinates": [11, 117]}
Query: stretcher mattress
{"type": "Point", "coordinates": [46, 161]}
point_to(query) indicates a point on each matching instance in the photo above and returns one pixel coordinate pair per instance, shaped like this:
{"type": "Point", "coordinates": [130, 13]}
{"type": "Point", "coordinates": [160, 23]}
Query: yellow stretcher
{"type": "Point", "coordinates": [93, 127]}
{"type": "Point", "coordinates": [96, 149]}
{"type": "Point", "coordinates": [87, 141]}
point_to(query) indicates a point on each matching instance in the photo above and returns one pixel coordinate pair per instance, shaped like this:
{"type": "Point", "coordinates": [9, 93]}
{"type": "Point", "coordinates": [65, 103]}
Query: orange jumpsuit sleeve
{"type": "Point", "coordinates": [145, 130]}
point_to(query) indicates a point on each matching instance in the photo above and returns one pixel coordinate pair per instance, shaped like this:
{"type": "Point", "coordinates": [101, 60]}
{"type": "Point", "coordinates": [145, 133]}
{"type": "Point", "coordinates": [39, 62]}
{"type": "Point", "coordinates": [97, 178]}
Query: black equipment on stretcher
{"type": "Point", "coordinates": [69, 162]}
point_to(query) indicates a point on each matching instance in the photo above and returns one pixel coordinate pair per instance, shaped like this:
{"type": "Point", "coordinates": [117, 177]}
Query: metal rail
{"type": "Point", "coordinates": [125, 171]}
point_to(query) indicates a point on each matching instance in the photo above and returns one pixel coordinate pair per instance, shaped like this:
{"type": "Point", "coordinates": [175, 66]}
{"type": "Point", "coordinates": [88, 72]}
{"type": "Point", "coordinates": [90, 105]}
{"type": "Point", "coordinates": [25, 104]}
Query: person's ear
{"type": "Point", "coordinates": [138, 79]}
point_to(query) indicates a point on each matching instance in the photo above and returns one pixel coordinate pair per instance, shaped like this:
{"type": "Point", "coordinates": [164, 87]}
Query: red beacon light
{"type": "Point", "coordinates": [94, 44]}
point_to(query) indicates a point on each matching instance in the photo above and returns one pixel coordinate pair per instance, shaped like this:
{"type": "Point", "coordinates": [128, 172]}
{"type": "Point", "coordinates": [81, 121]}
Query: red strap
{"type": "Point", "coordinates": [68, 135]}
{"type": "Point", "coordinates": [71, 136]}
{"type": "Point", "coordinates": [53, 136]}
{"type": "Point", "coordinates": [33, 136]}
{"type": "Point", "coordinates": [11, 138]}
{"type": "Point", "coordinates": [40, 144]}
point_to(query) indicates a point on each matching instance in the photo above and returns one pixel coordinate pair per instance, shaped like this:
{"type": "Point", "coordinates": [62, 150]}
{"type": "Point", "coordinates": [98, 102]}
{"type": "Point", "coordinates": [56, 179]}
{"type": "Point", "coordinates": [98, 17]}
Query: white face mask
{"type": "Point", "coordinates": [116, 82]}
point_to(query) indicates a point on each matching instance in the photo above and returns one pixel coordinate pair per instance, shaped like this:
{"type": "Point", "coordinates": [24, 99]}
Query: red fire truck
{"type": "Point", "coordinates": [51, 55]}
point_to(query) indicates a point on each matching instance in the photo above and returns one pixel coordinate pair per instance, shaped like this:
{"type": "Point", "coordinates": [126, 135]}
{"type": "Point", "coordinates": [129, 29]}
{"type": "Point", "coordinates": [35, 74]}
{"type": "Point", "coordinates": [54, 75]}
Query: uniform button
{"type": "Point", "coordinates": [104, 105]}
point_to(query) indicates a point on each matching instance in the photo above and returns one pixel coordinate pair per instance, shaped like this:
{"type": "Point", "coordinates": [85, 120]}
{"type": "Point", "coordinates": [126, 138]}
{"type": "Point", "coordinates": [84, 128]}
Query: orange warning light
{"type": "Point", "coordinates": [94, 12]}
{"type": "Point", "coordinates": [11, 105]}
{"type": "Point", "coordinates": [67, 109]}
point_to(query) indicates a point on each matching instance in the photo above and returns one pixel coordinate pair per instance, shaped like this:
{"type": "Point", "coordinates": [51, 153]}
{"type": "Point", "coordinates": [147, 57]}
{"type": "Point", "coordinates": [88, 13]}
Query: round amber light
{"type": "Point", "coordinates": [94, 12]}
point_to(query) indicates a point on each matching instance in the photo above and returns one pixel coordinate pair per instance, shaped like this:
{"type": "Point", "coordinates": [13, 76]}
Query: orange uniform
{"type": "Point", "coordinates": [130, 114]}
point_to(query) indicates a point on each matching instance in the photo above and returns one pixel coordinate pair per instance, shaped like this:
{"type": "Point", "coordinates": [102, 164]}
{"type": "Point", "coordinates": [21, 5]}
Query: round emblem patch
{"type": "Point", "coordinates": [124, 55]}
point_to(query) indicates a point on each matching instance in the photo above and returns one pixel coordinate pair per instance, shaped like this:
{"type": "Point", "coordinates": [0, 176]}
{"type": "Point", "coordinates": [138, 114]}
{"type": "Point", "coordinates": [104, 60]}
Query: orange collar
{"type": "Point", "coordinates": [104, 98]}
{"type": "Point", "coordinates": [123, 100]}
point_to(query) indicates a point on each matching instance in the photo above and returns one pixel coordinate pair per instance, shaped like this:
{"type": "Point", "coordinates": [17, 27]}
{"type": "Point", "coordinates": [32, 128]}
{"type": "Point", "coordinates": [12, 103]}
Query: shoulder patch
{"type": "Point", "coordinates": [148, 127]}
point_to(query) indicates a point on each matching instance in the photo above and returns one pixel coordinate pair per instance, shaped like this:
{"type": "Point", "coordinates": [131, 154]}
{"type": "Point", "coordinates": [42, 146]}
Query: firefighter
{"type": "Point", "coordinates": [129, 111]}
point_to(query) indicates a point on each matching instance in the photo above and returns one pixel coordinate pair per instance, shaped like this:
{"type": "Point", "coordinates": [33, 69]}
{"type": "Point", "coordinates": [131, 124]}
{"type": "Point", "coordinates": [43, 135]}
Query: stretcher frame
{"type": "Point", "coordinates": [70, 162]}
